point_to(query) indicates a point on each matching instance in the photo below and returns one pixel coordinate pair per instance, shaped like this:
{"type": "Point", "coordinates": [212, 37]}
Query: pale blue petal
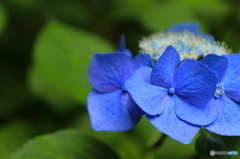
{"type": "Point", "coordinates": [149, 98]}
{"type": "Point", "coordinates": [233, 69]}
{"type": "Point", "coordinates": [163, 71]}
{"type": "Point", "coordinates": [232, 89]}
{"type": "Point", "coordinates": [194, 83]}
{"type": "Point", "coordinates": [195, 115]}
{"type": "Point", "coordinates": [231, 81]}
{"type": "Point", "coordinates": [108, 72]}
{"type": "Point", "coordinates": [228, 120]}
{"type": "Point", "coordinates": [109, 111]}
{"type": "Point", "coordinates": [169, 124]}
{"type": "Point", "coordinates": [218, 64]}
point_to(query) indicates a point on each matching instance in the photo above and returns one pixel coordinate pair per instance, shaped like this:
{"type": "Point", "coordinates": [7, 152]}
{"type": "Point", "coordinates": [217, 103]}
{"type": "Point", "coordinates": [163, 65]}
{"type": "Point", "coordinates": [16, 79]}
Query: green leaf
{"type": "Point", "coordinates": [208, 141]}
{"type": "Point", "coordinates": [133, 143]}
{"type": "Point", "coordinates": [130, 144]}
{"type": "Point", "coordinates": [12, 137]}
{"type": "Point", "coordinates": [58, 100]}
{"type": "Point", "coordinates": [68, 144]}
{"type": "Point", "coordinates": [3, 18]}
{"type": "Point", "coordinates": [62, 56]}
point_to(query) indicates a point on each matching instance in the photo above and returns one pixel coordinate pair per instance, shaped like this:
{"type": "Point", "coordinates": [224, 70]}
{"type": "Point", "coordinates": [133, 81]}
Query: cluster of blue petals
{"type": "Point", "coordinates": [178, 97]}
{"type": "Point", "coordinates": [110, 107]}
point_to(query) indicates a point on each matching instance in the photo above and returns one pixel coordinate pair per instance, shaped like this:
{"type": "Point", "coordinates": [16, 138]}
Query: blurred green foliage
{"type": "Point", "coordinates": [46, 48]}
{"type": "Point", "coordinates": [208, 141]}
{"type": "Point", "coordinates": [3, 18]}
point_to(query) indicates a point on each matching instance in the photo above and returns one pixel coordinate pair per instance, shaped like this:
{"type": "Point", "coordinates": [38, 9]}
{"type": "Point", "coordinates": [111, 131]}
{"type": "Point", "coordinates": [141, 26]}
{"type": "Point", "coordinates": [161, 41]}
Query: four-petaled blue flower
{"type": "Point", "coordinates": [174, 94]}
{"type": "Point", "coordinates": [110, 107]}
{"type": "Point", "coordinates": [226, 102]}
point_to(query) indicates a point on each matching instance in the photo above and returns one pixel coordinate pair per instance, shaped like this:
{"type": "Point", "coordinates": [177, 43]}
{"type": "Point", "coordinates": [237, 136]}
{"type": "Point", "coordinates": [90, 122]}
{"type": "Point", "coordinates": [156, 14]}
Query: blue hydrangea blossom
{"type": "Point", "coordinates": [227, 96]}
{"type": "Point", "coordinates": [171, 90]}
{"type": "Point", "coordinates": [178, 95]}
{"type": "Point", "coordinates": [109, 106]}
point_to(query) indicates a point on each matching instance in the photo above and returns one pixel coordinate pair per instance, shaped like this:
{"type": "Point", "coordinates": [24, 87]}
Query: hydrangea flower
{"type": "Point", "coordinates": [109, 106]}
{"type": "Point", "coordinates": [178, 95]}
{"type": "Point", "coordinates": [170, 87]}
{"type": "Point", "coordinates": [226, 101]}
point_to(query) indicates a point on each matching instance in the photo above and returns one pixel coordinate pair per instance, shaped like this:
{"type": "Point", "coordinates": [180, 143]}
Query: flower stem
{"type": "Point", "coordinates": [154, 147]}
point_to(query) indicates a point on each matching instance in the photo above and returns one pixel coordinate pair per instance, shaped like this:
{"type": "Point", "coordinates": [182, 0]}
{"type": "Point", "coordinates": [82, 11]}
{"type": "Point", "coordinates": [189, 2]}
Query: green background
{"type": "Point", "coordinates": [46, 47]}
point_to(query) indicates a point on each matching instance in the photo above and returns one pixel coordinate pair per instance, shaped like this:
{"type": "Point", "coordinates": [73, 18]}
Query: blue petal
{"type": "Point", "coordinates": [122, 47]}
{"type": "Point", "coordinates": [191, 27]}
{"type": "Point", "coordinates": [109, 111]}
{"type": "Point", "coordinates": [232, 77]}
{"type": "Point", "coordinates": [227, 122]}
{"type": "Point", "coordinates": [194, 115]}
{"type": "Point", "coordinates": [142, 60]}
{"type": "Point", "coordinates": [232, 89]}
{"type": "Point", "coordinates": [205, 35]}
{"type": "Point", "coordinates": [171, 125]}
{"type": "Point", "coordinates": [108, 72]}
{"type": "Point", "coordinates": [194, 83]}
{"type": "Point", "coordinates": [218, 64]}
{"type": "Point", "coordinates": [133, 107]}
{"type": "Point", "coordinates": [163, 71]}
{"type": "Point", "coordinates": [149, 98]}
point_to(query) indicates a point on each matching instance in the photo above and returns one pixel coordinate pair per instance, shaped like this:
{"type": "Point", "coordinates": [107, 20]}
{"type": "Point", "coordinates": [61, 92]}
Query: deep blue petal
{"type": "Point", "coordinates": [122, 46]}
{"type": "Point", "coordinates": [231, 80]}
{"type": "Point", "coordinates": [163, 71]}
{"type": "Point", "coordinates": [133, 107]}
{"type": "Point", "coordinates": [150, 98]}
{"type": "Point", "coordinates": [109, 111]}
{"type": "Point", "coordinates": [192, 27]}
{"type": "Point", "coordinates": [142, 60]}
{"type": "Point", "coordinates": [227, 122]}
{"type": "Point", "coordinates": [218, 64]}
{"type": "Point", "coordinates": [108, 72]}
{"type": "Point", "coordinates": [171, 125]}
{"type": "Point", "coordinates": [194, 83]}
{"type": "Point", "coordinates": [194, 115]}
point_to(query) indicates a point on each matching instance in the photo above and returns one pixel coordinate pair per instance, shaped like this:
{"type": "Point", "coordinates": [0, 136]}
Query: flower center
{"type": "Point", "coordinates": [219, 90]}
{"type": "Point", "coordinates": [171, 91]}
{"type": "Point", "coordinates": [186, 43]}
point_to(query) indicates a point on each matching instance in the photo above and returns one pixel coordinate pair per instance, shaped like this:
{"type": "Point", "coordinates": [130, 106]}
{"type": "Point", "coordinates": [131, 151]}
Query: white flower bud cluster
{"type": "Point", "coordinates": [189, 45]}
